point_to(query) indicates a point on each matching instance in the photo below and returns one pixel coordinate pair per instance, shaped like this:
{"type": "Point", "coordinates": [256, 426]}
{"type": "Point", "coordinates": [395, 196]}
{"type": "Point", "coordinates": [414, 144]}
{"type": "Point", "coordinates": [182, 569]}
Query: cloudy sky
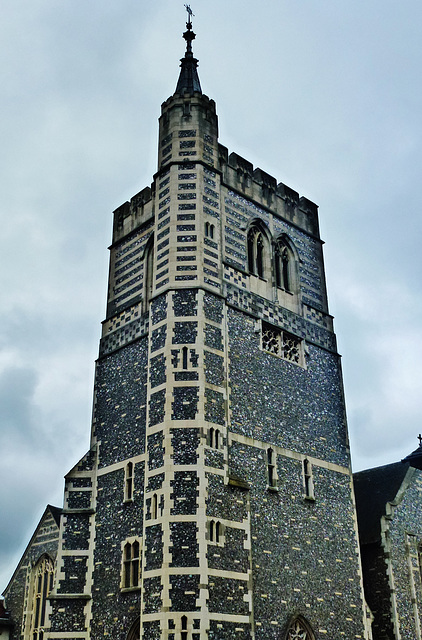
{"type": "Point", "coordinates": [323, 94]}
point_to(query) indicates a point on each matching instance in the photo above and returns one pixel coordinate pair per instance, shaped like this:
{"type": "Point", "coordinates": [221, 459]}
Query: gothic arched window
{"type": "Point", "coordinates": [42, 583]}
{"type": "Point", "coordinates": [299, 630]}
{"type": "Point", "coordinates": [257, 251]}
{"type": "Point", "coordinates": [209, 230]}
{"type": "Point", "coordinates": [131, 564]}
{"type": "Point", "coordinates": [215, 532]}
{"type": "Point", "coordinates": [284, 266]}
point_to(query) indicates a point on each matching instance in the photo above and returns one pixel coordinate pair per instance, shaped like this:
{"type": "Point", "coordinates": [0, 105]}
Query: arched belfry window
{"type": "Point", "coordinates": [148, 273]}
{"type": "Point", "coordinates": [284, 265]}
{"type": "Point", "coordinates": [299, 629]}
{"type": "Point", "coordinates": [257, 251]}
{"type": "Point", "coordinates": [41, 584]}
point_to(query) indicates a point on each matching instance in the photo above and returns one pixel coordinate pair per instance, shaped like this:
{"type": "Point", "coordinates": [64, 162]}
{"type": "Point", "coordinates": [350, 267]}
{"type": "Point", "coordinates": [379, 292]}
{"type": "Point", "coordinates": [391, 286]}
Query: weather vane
{"type": "Point", "coordinates": [190, 13]}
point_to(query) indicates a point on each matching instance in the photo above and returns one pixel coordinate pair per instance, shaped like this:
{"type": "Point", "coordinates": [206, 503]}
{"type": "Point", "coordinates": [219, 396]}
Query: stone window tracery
{"type": "Point", "coordinates": [299, 630]}
{"type": "Point", "coordinates": [282, 267]}
{"type": "Point", "coordinates": [281, 343]}
{"type": "Point", "coordinates": [256, 252]}
{"type": "Point", "coordinates": [42, 583]}
{"type": "Point", "coordinates": [285, 265]}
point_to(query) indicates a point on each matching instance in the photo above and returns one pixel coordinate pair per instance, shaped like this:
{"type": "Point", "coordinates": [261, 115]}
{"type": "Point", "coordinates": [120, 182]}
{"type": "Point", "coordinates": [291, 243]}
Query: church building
{"type": "Point", "coordinates": [216, 501]}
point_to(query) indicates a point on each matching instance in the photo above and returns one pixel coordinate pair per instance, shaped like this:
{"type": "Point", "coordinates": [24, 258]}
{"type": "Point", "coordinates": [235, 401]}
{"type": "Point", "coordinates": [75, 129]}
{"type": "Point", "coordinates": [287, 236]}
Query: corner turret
{"type": "Point", "coordinates": [188, 79]}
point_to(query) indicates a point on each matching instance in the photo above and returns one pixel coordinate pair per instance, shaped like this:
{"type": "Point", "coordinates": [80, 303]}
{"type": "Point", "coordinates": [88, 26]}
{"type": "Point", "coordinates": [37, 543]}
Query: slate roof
{"type": "Point", "coordinates": [373, 489]}
{"type": "Point", "coordinates": [56, 513]}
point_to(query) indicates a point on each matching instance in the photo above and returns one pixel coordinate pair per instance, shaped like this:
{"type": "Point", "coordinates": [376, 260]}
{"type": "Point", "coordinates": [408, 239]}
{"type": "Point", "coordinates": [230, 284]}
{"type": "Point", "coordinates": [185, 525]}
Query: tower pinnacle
{"type": "Point", "coordinates": [188, 78]}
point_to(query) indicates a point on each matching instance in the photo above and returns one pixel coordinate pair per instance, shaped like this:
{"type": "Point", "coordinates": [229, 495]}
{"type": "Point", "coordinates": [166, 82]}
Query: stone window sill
{"type": "Point", "coordinates": [130, 589]}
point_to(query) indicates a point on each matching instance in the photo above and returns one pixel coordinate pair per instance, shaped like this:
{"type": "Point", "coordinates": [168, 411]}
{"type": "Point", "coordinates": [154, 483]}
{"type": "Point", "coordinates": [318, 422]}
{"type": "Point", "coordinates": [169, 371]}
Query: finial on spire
{"type": "Point", "coordinates": [188, 79]}
{"type": "Point", "coordinates": [189, 34]}
{"type": "Point", "coordinates": [190, 13]}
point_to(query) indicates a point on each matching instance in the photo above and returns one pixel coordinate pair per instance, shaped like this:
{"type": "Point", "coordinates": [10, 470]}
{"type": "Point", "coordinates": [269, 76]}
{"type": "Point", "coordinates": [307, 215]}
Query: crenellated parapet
{"type": "Point", "coordinates": [260, 187]}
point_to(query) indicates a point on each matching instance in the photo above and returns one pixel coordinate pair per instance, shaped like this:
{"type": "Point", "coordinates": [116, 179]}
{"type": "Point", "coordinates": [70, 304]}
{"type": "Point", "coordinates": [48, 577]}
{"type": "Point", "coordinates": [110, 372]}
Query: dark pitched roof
{"type": "Point", "coordinates": [415, 458]}
{"type": "Point", "coordinates": [56, 513]}
{"type": "Point", "coordinates": [373, 489]}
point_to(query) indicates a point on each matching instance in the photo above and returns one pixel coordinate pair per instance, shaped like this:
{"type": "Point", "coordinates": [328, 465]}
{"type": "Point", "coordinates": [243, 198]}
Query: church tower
{"type": "Point", "coordinates": [216, 499]}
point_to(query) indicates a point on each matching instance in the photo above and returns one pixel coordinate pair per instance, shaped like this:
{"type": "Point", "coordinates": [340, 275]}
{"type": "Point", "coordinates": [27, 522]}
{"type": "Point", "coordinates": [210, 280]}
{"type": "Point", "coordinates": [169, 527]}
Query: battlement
{"type": "Point", "coordinates": [196, 98]}
{"type": "Point", "coordinates": [132, 214]}
{"type": "Point", "coordinates": [240, 175]}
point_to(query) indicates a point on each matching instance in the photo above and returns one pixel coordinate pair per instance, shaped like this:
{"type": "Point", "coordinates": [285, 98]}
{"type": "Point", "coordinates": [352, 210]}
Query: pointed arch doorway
{"type": "Point", "coordinates": [135, 630]}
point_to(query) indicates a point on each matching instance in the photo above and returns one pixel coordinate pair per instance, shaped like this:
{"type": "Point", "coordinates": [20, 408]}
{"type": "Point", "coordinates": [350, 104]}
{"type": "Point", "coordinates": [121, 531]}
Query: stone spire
{"type": "Point", "coordinates": [188, 79]}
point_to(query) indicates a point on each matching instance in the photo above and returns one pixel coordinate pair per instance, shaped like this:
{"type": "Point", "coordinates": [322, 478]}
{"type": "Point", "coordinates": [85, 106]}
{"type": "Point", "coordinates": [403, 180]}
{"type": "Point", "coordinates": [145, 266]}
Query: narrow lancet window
{"type": "Point", "coordinates": [256, 245]}
{"type": "Point", "coordinates": [209, 230]}
{"type": "Point", "coordinates": [217, 532]}
{"type": "Point", "coordinates": [214, 438]}
{"type": "Point", "coordinates": [155, 506]}
{"type": "Point", "coordinates": [307, 478]}
{"type": "Point", "coordinates": [259, 256]}
{"type": "Point", "coordinates": [272, 483]}
{"type": "Point", "coordinates": [131, 564]}
{"type": "Point", "coordinates": [184, 634]}
{"type": "Point", "coordinates": [284, 266]}
{"type": "Point", "coordinates": [185, 358]}
{"type": "Point", "coordinates": [129, 482]}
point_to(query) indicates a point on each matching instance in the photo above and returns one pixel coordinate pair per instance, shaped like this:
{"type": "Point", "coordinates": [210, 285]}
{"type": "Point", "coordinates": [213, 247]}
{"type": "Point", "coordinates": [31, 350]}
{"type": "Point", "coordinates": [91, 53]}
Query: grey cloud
{"type": "Point", "coordinates": [303, 90]}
